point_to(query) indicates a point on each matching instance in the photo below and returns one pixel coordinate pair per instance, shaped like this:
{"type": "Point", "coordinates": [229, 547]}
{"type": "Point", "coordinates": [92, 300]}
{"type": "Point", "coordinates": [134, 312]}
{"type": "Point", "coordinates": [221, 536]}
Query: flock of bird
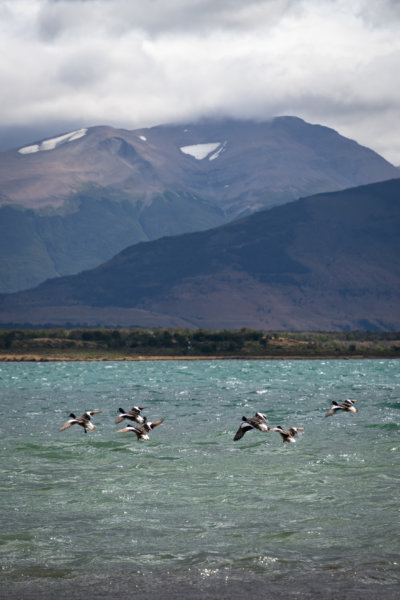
{"type": "Point", "coordinates": [141, 429]}
{"type": "Point", "coordinates": [259, 421]}
{"type": "Point", "coordinates": [143, 426]}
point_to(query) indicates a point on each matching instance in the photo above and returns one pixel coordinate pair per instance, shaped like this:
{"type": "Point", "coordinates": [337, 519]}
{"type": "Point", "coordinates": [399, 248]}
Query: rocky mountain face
{"type": "Point", "coordinates": [327, 262]}
{"type": "Point", "coordinates": [74, 201]}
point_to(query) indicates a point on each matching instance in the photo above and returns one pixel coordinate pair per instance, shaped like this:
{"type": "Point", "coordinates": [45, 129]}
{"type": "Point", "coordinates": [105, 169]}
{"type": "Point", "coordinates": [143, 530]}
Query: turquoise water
{"type": "Point", "coordinates": [190, 513]}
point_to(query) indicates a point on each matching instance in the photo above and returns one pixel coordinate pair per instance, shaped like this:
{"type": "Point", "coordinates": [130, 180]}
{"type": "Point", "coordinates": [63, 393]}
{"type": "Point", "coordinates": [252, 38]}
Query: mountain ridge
{"type": "Point", "coordinates": [133, 152]}
{"type": "Point", "coordinates": [325, 262]}
{"type": "Point", "coordinates": [71, 202]}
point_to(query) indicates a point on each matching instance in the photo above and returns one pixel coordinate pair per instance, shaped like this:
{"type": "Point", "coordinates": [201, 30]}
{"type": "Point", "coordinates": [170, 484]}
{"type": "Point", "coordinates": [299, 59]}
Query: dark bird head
{"type": "Point", "coordinates": [72, 415]}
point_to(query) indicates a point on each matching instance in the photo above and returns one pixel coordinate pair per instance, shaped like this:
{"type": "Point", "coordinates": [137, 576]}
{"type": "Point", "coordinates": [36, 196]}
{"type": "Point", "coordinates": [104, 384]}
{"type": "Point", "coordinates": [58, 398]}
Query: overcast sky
{"type": "Point", "coordinates": [137, 63]}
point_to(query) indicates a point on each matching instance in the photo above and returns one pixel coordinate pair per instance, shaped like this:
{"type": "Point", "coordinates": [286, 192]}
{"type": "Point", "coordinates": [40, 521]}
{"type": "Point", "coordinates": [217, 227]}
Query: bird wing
{"type": "Point", "coordinates": [141, 432]}
{"type": "Point", "coordinates": [348, 402]}
{"type": "Point", "coordinates": [90, 413]}
{"type": "Point", "coordinates": [284, 434]}
{"type": "Point", "coordinates": [332, 410]}
{"type": "Point", "coordinates": [68, 424]}
{"type": "Point", "coordinates": [89, 425]}
{"type": "Point", "coordinates": [120, 418]}
{"type": "Point", "coordinates": [126, 429]}
{"type": "Point", "coordinates": [260, 417]}
{"type": "Point", "coordinates": [242, 430]}
{"type": "Point", "coordinates": [153, 424]}
{"type": "Point", "coordinates": [295, 430]}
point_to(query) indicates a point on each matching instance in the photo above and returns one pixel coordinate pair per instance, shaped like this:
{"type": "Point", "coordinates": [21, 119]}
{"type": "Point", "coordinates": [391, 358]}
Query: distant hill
{"type": "Point", "coordinates": [71, 202]}
{"type": "Point", "coordinates": [326, 262]}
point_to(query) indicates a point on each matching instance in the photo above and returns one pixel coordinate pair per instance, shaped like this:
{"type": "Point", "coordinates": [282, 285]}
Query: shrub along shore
{"type": "Point", "coordinates": [187, 344]}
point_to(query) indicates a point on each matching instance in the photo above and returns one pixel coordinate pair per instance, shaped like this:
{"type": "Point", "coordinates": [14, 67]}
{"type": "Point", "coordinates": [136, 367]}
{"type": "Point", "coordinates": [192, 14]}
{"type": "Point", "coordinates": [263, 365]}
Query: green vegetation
{"type": "Point", "coordinates": [131, 344]}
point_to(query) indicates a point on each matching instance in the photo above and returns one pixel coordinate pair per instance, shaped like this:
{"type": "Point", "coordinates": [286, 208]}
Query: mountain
{"type": "Point", "coordinates": [326, 262]}
{"type": "Point", "coordinates": [71, 202]}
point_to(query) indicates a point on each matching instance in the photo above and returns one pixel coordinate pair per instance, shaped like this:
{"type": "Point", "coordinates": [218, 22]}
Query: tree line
{"type": "Point", "coordinates": [186, 342]}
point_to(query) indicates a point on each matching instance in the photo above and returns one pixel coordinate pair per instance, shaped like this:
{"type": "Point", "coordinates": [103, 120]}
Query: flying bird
{"type": "Point", "coordinates": [142, 431]}
{"type": "Point", "coordinates": [259, 421]}
{"type": "Point", "coordinates": [84, 420]}
{"type": "Point", "coordinates": [346, 406]}
{"type": "Point", "coordinates": [131, 415]}
{"type": "Point", "coordinates": [287, 434]}
{"type": "Point", "coordinates": [149, 425]}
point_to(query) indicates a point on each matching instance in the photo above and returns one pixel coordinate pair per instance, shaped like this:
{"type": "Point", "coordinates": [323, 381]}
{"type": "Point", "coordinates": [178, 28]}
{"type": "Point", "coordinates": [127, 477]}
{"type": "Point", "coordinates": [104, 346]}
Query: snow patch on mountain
{"type": "Point", "coordinates": [218, 152]}
{"type": "Point", "coordinates": [53, 142]}
{"type": "Point", "coordinates": [200, 151]}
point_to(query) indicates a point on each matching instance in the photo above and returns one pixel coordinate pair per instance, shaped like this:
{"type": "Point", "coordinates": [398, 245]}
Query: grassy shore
{"type": "Point", "coordinates": [160, 344]}
{"type": "Point", "coordinates": [61, 358]}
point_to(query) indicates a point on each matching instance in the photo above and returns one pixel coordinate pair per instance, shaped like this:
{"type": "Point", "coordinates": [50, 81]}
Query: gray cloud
{"type": "Point", "coordinates": [158, 16]}
{"type": "Point", "coordinates": [133, 63]}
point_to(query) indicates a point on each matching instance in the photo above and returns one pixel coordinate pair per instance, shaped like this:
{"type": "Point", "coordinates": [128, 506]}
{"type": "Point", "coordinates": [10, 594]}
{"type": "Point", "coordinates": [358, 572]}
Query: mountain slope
{"type": "Point", "coordinates": [69, 203]}
{"type": "Point", "coordinates": [327, 262]}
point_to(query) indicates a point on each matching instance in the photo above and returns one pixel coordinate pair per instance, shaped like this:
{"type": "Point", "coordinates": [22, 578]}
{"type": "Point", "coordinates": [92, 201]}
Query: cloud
{"type": "Point", "coordinates": [132, 64]}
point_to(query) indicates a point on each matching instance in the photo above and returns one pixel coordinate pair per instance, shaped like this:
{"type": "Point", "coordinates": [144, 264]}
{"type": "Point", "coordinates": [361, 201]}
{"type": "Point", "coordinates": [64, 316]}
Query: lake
{"type": "Point", "coordinates": [191, 513]}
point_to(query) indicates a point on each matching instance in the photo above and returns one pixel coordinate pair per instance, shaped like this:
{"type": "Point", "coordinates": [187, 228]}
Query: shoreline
{"type": "Point", "coordinates": [155, 358]}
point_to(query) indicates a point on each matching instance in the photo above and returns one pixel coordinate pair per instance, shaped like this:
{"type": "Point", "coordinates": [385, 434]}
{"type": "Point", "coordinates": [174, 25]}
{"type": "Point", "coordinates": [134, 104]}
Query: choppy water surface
{"type": "Point", "coordinates": [192, 514]}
